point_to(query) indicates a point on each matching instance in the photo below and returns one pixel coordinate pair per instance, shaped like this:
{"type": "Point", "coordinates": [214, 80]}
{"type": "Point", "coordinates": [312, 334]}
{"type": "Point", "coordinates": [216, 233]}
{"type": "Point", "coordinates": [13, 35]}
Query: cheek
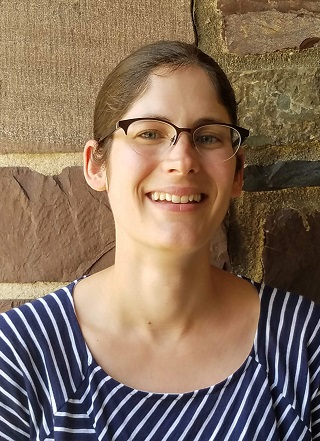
{"type": "Point", "coordinates": [127, 170]}
{"type": "Point", "coordinates": [222, 174]}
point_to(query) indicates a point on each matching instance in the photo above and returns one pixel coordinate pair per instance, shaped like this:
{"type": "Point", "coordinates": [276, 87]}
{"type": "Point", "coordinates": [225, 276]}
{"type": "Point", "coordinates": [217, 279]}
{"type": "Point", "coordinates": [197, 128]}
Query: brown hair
{"type": "Point", "coordinates": [130, 78]}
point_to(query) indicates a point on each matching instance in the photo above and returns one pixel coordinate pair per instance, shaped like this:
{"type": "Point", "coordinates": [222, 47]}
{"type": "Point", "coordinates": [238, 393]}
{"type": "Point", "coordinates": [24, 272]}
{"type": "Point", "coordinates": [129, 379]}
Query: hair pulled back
{"type": "Point", "coordinates": [130, 78]}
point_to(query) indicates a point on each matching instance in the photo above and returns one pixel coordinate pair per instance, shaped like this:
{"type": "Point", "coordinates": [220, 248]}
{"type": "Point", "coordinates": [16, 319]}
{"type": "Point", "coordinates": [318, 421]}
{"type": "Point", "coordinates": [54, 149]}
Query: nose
{"type": "Point", "coordinates": [182, 157]}
{"type": "Point", "coordinates": [179, 131]}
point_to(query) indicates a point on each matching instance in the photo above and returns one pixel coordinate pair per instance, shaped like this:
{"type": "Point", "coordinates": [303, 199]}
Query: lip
{"type": "Point", "coordinates": [179, 191]}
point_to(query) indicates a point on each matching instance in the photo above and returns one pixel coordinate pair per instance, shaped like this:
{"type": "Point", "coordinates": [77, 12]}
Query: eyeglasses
{"type": "Point", "coordinates": [153, 137]}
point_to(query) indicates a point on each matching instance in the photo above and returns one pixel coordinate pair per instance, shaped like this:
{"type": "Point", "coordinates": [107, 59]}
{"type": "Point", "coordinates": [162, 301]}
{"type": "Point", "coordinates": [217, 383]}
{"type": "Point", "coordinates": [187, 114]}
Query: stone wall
{"type": "Point", "coordinates": [271, 51]}
{"type": "Point", "coordinates": [55, 55]}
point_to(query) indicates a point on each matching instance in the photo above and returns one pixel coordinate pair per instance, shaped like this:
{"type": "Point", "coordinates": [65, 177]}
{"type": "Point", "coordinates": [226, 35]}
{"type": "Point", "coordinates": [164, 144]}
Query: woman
{"type": "Point", "coordinates": [162, 345]}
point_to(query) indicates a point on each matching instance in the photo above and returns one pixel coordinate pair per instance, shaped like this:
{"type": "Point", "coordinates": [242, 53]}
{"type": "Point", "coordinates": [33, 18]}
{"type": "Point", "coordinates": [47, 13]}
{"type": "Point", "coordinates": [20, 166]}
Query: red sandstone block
{"type": "Point", "coordinates": [5, 305]}
{"type": "Point", "coordinates": [52, 229]}
{"type": "Point", "coordinates": [229, 7]}
{"type": "Point", "coordinates": [292, 251]}
{"type": "Point", "coordinates": [274, 237]}
{"type": "Point", "coordinates": [256, 27]}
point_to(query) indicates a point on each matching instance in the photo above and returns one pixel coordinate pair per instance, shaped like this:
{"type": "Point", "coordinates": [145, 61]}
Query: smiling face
{"type": "Point", "coordinates": [176, 200]}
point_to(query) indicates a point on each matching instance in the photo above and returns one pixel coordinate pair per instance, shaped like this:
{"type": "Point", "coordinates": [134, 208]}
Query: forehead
{"type": "Point", "coordinates": [184, 94]}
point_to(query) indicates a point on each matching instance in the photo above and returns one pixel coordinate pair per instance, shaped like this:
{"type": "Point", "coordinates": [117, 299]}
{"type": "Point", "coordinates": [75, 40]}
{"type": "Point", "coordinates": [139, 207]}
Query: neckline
{"type": "Point", "coordinates": [131, 390]}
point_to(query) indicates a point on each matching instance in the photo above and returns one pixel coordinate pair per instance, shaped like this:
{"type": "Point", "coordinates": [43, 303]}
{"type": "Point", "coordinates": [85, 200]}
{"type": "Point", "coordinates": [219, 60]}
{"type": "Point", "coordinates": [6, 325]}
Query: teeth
{"type": "Point", "coordinates": [184, 199]}
{"type": "Point", "coordinates": [158, 196]}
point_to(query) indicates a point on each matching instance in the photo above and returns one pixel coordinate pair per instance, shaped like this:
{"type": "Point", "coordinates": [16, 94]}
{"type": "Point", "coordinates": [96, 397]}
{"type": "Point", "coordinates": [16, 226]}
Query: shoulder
{"type": "Point", "coordinates": [289, 315]}
{"type": "Point", "coordinates": [44, 323]}
{"type": "Point", "coordinates": [41, 347]}
{"type": "Point", "coordinates": [288, 311]}
{"type": "Point", "coordinates": [288, 337]}
{"type": "Point", "coordinates": [38, 318]}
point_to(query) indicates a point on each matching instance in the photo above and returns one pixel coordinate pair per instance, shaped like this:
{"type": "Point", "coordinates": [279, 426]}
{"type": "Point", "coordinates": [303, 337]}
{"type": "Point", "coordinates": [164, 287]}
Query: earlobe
{"type": "Point", "coordinates": [238, 177]}
{"type": "Point", "coordinates": [94, 173]}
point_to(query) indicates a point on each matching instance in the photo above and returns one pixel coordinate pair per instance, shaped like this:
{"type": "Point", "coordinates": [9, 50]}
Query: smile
{"type": "Point", "coordinates": [185, 199]}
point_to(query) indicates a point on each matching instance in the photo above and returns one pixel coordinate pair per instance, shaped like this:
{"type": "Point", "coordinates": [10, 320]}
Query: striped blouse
{"type": "Point", "coordinates": [51, 388]}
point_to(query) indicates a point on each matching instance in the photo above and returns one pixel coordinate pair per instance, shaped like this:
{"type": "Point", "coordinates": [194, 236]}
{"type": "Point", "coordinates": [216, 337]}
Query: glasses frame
{"type": "Point", "coordinates": [124, 124]}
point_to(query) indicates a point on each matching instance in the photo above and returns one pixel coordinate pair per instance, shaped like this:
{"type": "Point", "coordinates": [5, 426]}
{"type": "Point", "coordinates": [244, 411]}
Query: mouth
{"type": "Point", "coordinates": [158, 196]}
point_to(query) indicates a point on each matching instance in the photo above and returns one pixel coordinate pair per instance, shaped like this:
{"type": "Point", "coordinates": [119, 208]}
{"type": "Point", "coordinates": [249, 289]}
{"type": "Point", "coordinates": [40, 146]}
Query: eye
{"type": "Point", "coordinates": [148, 132]}
{"type": "Point", "coordinates": [208, 141]}
{"type": "Point", "coordinates": [213, 136]}
{"type": "Point", "coordinates": [150, 135]}
{"type": "Point", "coordinates": [154, 133]}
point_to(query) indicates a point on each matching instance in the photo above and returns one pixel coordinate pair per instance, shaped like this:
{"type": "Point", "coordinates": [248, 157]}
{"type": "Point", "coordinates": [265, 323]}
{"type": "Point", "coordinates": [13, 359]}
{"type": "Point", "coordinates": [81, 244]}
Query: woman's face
{"type": "Point", "coordinates": [185, 98]}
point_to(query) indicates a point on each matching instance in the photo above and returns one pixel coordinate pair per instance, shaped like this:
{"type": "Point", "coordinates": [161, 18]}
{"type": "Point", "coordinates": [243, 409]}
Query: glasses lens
{"type": "Point", "coordinates": [217, 141]}
{"type": "Point", "coordinates": [150, 137]}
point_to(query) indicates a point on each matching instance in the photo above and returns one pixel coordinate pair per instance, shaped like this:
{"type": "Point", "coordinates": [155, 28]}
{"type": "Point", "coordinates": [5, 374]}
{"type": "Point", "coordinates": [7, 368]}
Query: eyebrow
{"type": "Point", "coordinates": [197, 123]}
{"type": "Point", "coordinates": [203, 121]}
{"type": "Point", "coordinates": [157, 116]}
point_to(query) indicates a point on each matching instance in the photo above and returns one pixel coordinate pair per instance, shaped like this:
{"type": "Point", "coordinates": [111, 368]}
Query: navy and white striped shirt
{"type": "Point", "coordinates": [52, 389]}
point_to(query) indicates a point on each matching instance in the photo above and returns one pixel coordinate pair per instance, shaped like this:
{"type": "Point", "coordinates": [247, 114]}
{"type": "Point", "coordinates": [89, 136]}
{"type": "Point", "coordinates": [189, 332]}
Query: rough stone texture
{"type": "Point", "coordinates": [267, 155]}
{"type": "Point", "coordinates": [52, 228]}
{"type": "Point", "coordinates": [291, 253]}
{"type": "Point", "coordinates": [282, 175]}
{"type": "Point", "coordinates": [46, 164]}
{"type": "Point", "coordinates": [26, 291]}
{"type": "Point", "coordinates": [255, 27]}
{"type": "Point", "coordinates": [257, 33]}
{"type": "Point", "coordinates": [55, 55]}
{"type": "Point", "coordinates": [5, 305]}
{"type": "Point", "coordinates": [229, 7]}
{"type": "Point", "coordinates": [279, 106]}
{"type": "Point", "coordinates": [248, 215]}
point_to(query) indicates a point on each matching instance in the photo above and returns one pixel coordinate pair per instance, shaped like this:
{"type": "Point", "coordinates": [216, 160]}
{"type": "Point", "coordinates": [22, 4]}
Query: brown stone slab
{"type": "Point", "coordinates": [253, 27]}
{"type": "Point", "coordinates": [52, 228]}
{"type": "Point", "coordinates": [5, 305]}
{"type": "Point", "coordinates": [254, 225]}
{"type": "Point", "coordinates": [55, 55]}
{"type": "Point", "coordinates": [229, 7]}
{"type": "Point", "coordinates": [291, 253]}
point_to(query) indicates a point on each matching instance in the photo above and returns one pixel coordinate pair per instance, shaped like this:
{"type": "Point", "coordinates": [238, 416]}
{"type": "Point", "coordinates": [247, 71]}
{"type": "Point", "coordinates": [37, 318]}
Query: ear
{"type": "Point", "coordinates": [238, 177]}
{"type": "Point", "coordinates": [95, 174]}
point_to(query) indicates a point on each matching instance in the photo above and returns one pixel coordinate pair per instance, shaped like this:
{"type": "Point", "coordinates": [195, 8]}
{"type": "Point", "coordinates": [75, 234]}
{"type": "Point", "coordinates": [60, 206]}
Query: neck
{"type": "Point", "coordinates": [161, 290]}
